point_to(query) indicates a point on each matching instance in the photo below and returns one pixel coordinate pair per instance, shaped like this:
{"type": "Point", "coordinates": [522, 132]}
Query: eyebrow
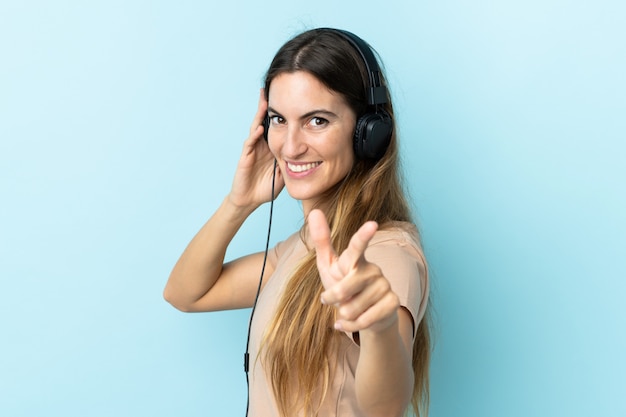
{"type": "Point", "coordinates": [308, 114]}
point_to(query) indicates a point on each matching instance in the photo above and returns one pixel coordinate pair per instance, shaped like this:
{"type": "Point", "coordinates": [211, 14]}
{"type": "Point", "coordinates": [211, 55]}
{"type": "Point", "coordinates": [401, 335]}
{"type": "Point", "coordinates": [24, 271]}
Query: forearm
{"type": "Point", "coordinates": [384, 376]}
{"type": "Point", "coordinates": [200, 265]}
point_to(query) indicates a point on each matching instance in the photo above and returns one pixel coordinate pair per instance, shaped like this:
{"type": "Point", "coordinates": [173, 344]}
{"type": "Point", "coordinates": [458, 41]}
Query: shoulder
{"type": "Point", "coordinates": [397, 251]}
{"type": "Point", "coordinates": [397, 245]}
{"type": "Point", "coordinates": [284, 247]}
{"type": "Point", "coordinates": [401, 234]}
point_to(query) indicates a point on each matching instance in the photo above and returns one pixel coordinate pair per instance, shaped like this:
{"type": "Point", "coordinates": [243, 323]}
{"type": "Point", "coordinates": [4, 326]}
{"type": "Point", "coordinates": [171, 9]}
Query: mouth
{"type": "Point", "coordinates": [300, 168]}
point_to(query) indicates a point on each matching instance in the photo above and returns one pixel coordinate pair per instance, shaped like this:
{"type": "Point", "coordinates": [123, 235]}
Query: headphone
{"type": "Point", "coordinates": [373, 129]}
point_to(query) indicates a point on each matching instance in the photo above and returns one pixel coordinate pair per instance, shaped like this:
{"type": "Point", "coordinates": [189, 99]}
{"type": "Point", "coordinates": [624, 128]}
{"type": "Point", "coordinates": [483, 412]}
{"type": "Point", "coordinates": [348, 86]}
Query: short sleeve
{"type": "Point", "coordinates": [278, 251]}
{"type": "Point", "coordinates": [399, 256]}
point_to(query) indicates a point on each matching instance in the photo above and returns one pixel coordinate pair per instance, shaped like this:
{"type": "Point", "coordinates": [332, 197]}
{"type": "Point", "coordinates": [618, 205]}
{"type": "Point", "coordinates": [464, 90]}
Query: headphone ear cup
{"type": "Point", "coordinates": [372, 135]}
{"type": "Point", "coordinates": [266, 126]}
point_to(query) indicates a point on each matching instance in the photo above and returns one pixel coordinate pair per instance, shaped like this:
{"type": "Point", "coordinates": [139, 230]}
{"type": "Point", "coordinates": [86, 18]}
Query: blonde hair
{"type": "Point", "coordinates": [300, 338]}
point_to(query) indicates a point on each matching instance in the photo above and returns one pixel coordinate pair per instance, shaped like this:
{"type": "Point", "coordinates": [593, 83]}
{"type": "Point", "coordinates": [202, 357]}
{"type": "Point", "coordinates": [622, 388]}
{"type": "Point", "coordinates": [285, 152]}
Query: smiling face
{"type": "Point", "coordinates": [310, 134]}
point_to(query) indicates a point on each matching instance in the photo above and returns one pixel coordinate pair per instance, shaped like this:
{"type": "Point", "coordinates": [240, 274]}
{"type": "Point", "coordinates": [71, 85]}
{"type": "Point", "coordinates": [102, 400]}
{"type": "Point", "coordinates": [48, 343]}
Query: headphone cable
{"type": "Point", "coordinates": [246, 357]}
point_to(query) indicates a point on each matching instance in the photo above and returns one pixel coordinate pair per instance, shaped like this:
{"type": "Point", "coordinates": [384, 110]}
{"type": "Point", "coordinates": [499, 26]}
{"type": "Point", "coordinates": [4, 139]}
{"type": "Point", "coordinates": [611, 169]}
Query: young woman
{"type": "Point", "coordinates": [341, 324]}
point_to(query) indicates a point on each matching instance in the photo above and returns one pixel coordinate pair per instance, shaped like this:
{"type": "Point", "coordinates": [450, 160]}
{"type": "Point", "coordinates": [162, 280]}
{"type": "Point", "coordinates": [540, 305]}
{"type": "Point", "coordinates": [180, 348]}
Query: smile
{"type": "Point", "coordinates": [302, 167]}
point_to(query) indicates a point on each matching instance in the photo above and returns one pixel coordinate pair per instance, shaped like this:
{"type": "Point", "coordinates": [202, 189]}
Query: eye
{"type": "Point", "coordinates": [318, 121]}
{"type": "Point", "coordinates": [277, 120]}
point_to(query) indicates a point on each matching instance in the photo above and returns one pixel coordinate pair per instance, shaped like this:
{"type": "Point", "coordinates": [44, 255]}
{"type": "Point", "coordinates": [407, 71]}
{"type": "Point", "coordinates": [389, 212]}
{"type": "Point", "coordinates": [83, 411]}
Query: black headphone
{"type": "Point", "coordinates": [373, 129]}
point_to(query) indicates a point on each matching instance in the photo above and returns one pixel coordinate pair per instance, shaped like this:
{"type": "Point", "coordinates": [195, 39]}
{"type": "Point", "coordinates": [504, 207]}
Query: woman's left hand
{"type": "Point", "coordinates": [357, 288]}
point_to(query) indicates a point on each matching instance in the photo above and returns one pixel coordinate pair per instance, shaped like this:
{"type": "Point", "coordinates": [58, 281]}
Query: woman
{"type": "Point", "coordinates": [341, 325]}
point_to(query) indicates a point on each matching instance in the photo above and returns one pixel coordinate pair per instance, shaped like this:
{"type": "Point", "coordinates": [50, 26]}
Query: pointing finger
{"type": "Point", "coordinates": [320, 235]}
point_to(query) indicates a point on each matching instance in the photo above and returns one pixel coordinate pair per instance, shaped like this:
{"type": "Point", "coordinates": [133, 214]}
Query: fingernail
{"type": "Point", "coordinates": [338, 326]}
{"type": "Point", "coordinates": [322, 299]}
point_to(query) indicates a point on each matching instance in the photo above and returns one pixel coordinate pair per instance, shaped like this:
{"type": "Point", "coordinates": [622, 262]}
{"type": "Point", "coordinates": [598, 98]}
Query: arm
{"type": "Point", "coordinates": [384, 374]}
{"type": "Point", "coordinates": [366, 304]}
{"type": "Point", "coordinates": [200, 281]}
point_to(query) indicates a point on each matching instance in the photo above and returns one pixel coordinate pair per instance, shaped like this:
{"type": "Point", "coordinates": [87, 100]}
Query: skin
{"type": "Point", "coordinates": [310, 137]}
{"type": "Point", "coordinates": [366, 304]}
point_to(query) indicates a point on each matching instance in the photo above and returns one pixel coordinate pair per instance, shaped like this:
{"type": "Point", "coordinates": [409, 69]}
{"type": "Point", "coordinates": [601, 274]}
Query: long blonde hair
{"type": "Point", "coordinates": [300, 338]}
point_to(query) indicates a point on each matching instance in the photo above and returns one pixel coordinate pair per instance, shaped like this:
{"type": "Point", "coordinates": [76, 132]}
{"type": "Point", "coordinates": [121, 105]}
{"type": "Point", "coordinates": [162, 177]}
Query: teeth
{"type": "Point", "coordinates": [302, 167]}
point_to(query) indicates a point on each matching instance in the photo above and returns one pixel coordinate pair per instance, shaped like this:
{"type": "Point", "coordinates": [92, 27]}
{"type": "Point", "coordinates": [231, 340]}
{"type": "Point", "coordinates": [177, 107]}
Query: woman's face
{"type": "Point", "coordinates": [310, 134]}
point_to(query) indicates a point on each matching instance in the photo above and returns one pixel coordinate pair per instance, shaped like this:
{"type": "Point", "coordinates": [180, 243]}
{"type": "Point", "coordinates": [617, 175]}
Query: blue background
{"type": "Point", "coordinates": [120, 126]}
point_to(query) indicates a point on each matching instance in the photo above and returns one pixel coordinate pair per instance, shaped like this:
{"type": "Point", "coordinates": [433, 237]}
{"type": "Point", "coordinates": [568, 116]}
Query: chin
{"type": "Point", "coordinates": [297, 193]}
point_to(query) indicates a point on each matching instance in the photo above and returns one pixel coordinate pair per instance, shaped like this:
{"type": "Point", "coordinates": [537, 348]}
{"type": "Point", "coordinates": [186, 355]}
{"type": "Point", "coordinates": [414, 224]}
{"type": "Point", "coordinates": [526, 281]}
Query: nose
{"type": "Point", "coordinates": [295, 143]}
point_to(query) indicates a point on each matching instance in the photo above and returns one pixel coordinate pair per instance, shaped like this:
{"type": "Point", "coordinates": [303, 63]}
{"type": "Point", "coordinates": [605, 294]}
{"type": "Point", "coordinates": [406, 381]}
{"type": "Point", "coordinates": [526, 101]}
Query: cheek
{"type": "Point", "coordinates": [350, 160]}
{"type": "Point", "coordinates": [348, 151]}
{"type": "Point", "coordinates": [345, 160]}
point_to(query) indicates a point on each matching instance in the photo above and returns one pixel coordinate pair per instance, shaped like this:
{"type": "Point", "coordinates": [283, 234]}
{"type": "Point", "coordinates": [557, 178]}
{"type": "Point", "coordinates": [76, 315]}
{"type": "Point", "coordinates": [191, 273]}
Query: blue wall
{"type": "Point", "coordinates": [120, 126]}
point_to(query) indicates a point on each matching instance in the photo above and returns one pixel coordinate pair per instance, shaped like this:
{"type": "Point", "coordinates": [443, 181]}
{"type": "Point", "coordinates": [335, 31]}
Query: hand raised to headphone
{"type": "Point", "coordinates": [252, 184]}
{"type": "Point", "coordinates": [357, 288]}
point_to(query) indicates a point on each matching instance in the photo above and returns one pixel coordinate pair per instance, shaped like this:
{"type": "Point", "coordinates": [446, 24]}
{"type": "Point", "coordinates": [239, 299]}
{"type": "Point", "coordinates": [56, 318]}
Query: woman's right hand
{"type": "Point", "coordinates": [252, 185]}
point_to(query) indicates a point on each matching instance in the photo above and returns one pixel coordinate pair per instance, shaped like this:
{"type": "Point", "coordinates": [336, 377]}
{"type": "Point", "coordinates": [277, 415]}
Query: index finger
{"type": "Point", "coordinates": [320, 235]}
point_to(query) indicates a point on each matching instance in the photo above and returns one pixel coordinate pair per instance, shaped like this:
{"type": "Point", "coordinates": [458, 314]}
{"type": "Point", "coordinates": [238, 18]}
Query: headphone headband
{"type": "Point", "coordinates": [377, 92]}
